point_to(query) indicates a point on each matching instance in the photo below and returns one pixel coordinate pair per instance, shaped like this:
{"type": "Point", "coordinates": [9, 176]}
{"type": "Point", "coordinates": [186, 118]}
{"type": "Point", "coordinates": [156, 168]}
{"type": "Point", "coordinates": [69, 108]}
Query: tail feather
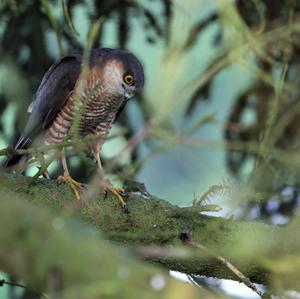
{"type": "Point", "coordinates": [22, 143]}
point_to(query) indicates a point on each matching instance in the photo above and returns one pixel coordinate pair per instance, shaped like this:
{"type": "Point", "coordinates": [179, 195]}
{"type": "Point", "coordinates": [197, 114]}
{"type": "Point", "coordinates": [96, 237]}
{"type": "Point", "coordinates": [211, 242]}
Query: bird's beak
{"type": "Point", "coordinates": [128, 95]}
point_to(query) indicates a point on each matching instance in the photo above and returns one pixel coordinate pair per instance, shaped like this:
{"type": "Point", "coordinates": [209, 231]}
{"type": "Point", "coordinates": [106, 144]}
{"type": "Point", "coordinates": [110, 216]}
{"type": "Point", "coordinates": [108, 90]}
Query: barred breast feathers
{"type": "Point", "coordinates": [95, 101]}
{"type": "Point", "coordinates": [101, 103]}
{"type": "Point", "coordinates": [62, 122]}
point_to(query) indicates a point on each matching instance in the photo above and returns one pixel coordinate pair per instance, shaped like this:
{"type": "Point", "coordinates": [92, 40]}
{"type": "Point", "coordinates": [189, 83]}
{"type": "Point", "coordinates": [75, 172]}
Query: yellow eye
{"type": "Point", "coordinates": [128, 79]}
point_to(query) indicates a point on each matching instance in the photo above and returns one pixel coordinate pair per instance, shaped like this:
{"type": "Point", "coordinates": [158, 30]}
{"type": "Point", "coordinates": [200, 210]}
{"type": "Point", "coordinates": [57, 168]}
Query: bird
{"type": "Point", "coordinates": [93, 98]}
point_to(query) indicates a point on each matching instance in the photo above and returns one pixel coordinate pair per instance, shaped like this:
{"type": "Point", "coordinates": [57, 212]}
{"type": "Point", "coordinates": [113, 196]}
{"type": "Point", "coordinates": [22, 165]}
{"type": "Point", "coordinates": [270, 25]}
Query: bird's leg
{"type": "Point", "coordinates": [106, 184]}
{"type": "Point", "coordinates": [66, 178]}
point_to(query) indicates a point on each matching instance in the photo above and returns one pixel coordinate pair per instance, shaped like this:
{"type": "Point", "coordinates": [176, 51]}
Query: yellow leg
{"type": "Point", "coordinates": [104, 183]}
{"type": "Point", "coordinates": [66, 178]}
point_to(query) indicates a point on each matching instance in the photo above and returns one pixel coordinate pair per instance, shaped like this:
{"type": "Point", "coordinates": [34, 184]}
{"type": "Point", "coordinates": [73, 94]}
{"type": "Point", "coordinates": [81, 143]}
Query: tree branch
{"type": "Point", "coordinates": [64, 258]}
{"type": "Point", "coordinates": [153, 229]}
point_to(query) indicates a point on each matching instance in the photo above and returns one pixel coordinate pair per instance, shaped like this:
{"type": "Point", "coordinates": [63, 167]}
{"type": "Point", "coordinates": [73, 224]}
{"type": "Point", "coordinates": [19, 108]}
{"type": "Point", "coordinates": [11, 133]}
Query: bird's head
{"type": "Point", "coordinates": [121, 72]}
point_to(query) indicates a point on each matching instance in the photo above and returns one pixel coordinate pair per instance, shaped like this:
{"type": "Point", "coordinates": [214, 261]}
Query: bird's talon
{"type": "Point", "coordinates": [105, 193]}
{"type": "Point", "coordinates": [74, 185]}
{"type": "Point", "coordinates": [117, 193]}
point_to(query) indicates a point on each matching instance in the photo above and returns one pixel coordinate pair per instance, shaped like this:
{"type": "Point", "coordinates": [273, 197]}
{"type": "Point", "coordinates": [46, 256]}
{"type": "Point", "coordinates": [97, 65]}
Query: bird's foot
{"type": "Point", "coordinates": [119, 193]}
{"type": "Point", "coordinates": [75, 186]}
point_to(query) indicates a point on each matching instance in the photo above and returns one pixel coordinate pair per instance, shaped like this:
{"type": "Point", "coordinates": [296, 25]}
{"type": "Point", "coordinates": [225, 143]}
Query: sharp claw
{"type": "Point", "coordinates": [105, 194]}
{"type": "Point", "coordinates": [116, 192]}
{"type": "Point", "coordinates": [74, 185]}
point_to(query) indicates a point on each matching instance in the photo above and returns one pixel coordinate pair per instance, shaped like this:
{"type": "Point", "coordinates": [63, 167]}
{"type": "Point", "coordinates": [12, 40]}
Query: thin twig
{"type": "Point", "coordinates": [54, 24]}
{"type": "Point", "coordinates": [11, 283]}
{"type": "Point", "coordinates": [69, 19]}
{"type": "Point", "coordinates": [15, 284]}
{"type": "Point", "coordinates": [9, 151]}
{"type": "Point", "coordinates": [229, 266]}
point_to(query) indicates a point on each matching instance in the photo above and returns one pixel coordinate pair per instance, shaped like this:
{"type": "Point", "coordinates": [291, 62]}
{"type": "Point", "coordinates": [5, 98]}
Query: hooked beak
{"type": "Point", "coordinates": [128, 95]}
{"type": "Point", "coordinates": [129, 92]}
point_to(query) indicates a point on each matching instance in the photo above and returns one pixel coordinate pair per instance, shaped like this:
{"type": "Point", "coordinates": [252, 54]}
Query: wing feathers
{"type": "Point", "coordinates": [51, 95]}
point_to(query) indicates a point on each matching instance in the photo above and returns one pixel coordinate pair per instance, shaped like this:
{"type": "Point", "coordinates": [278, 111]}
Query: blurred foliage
{"type": "Point", "coordinates": [267, 111]}
{"type": "Point", "coordinates": [261, 131]}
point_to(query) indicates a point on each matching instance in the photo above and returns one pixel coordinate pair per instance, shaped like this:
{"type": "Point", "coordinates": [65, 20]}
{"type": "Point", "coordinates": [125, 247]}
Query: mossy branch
{"type": "Point", "coordinates": [152, 229]}
{"type": "Point", "coordinates": [64, 258]}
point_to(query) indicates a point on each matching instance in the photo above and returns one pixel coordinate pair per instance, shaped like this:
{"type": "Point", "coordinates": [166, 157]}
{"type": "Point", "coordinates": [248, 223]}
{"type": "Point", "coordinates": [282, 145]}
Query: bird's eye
{"type": "Point", "coordinates": [128, 79]}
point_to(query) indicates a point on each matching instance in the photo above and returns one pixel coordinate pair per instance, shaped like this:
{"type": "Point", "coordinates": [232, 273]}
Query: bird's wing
{"type": "Point", "coordinates": [52, 94]}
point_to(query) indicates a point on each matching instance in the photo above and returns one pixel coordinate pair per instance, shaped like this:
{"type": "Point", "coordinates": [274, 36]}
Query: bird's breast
{"type": "Point", "coordinates": [94, 108]}
{"type": "Point", "coordinates": [98, 111]}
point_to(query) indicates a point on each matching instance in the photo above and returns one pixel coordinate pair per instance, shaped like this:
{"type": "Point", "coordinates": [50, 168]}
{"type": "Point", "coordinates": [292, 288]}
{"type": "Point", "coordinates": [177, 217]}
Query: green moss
{"type": "Point", "coordinates": [155, 221]}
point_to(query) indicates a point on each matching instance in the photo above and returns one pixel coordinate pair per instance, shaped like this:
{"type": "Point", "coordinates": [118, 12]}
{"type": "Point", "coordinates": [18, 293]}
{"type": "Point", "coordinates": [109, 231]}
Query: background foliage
{"type": "Point", "coordinates": [218, 118]}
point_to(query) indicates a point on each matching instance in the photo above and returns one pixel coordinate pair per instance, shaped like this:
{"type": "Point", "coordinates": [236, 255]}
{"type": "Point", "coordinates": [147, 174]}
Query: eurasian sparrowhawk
{"type": "Point", "coordinates": [112, 77]}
